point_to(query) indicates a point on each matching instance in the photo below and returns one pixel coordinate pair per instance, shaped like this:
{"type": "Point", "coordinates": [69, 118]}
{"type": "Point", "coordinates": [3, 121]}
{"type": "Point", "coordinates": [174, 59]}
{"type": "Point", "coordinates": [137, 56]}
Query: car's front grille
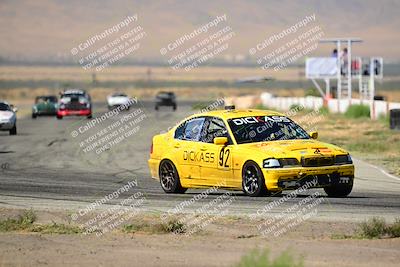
{"type": "Point", "coordinates": [317, 161]}
{"type": "Point", "coordinates": [75, 106]}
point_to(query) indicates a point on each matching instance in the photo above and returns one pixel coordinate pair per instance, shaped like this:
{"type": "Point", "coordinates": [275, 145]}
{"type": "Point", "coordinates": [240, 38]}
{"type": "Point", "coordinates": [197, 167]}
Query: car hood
{"type": "Point", "coordinates": [293, 149]}
{"type": "Point", "coordinates": [43, 106]}
{"type": "Point", "coordinates": [118, 99]}
{"type": "Point", "coordinates": [6, 115]}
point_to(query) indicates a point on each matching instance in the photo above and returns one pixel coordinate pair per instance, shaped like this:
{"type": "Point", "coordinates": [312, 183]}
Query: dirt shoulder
{"type": "Point", "coordinates": [221, 243]}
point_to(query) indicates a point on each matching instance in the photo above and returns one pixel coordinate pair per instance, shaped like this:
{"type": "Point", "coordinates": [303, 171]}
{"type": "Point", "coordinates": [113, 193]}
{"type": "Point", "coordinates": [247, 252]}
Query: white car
{"type": "Point", "coordinates": [8, 119]}
{"type": "Point", "coordinates": [118, 99]}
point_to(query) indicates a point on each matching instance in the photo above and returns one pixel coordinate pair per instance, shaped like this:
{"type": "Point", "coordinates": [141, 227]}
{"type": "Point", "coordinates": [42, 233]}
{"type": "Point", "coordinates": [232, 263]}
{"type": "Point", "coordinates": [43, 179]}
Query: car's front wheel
{"type": "Point", "coordinates": [169, 178]}
{"type": "Point", "coordinates": [13, 130]}
{"type": "Point", "coordinates": [339, 190]}
{"type": "Point", "coordinates": [253, 183]}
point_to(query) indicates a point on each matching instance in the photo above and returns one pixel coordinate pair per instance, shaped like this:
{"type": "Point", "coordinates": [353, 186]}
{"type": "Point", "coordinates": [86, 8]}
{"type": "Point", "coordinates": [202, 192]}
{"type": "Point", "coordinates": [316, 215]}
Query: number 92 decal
{"type": "Point", "coordinates": [224, 157]}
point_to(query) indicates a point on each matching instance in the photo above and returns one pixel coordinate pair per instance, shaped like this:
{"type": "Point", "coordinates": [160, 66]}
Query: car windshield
{"type": "Point", "coordinates": [42, 99]}
{"type": "Point", "coordinates": [165, 95]}
{"type": "Point", "coordinates": [265, 128]}
{"type": "Point", "coordinates": [73, 97]}
{"type": "Point", "coordinates": [4, 107]}
{"type": "Point", "coordinates": [116, 95]}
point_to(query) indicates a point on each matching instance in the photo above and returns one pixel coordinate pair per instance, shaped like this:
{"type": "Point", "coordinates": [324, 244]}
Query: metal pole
{"type": "Point", "coordinates": [349, 70]}
{"type": "Point", "coordinates": [339, 75]}
{"type": "Point", "coordinates": [372, 87]}
{"type": "Point", "coordinates": [360, 92]}
{"type": "Point", "coordinates": [327, 87]}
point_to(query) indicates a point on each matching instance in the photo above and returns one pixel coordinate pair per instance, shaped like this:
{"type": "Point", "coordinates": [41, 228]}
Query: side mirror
{"type": "Point", "coordinates": [220, 141]}
{"type": "Point", "coordinates": [13, 108]}
{"type": "Point", "coordinates": [314, 135]}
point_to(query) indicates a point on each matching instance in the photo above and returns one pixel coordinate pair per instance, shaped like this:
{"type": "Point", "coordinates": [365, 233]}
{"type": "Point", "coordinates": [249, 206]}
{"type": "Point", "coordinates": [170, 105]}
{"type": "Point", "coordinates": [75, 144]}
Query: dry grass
{"type": "Point", "coordinates": [132, 73]}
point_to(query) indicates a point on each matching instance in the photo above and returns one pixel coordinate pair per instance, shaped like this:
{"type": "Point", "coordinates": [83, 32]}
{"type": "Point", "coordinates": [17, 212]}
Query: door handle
{"type": "Point", "coordinates": [177, 145]}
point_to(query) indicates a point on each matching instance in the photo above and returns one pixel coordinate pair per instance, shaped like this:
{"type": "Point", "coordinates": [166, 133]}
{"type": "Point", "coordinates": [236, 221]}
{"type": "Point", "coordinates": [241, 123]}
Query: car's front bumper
{"type": "Point", "coordinates": [165, 103]}
{"type": "Point", "coordinates": [6, 125]}
{"type": "Point", "coordinates": [292, 178]}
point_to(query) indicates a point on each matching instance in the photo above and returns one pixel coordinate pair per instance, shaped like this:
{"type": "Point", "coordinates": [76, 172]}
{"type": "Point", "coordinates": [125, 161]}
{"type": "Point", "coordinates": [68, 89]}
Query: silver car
{"type": "Point", "coordinates": [8, 119]}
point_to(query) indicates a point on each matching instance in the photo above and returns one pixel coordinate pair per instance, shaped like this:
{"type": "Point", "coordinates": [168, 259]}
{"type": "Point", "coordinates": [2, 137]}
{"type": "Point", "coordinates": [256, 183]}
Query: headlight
{"type": "Point", "coordinates": [343, 159]}
{"type": "Point", "coordinates": [289, 162]}
{"type": "Point", "coordinates": [271, 163]}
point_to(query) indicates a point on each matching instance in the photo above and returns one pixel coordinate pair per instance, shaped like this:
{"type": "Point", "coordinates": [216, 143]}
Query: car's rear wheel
{"type": "Point", "coordinates": [34, 116]}
{"type": "Point", "coordinates": [59, 117]}
{"type": "Point", "coordinates": [169, 178]}
{"type": "Point", "coordinates": [13, 130]}
{"type": "Point", "coordinates": [174, 108]}
{"type": "Point", "coordinates": [253, 183]}
{"type": "Point", "coordinates": [339, 190]}
{"type": "Point", "coordinates": [89, 116]}
{"type": "Point", "coordinates": [156, 108]}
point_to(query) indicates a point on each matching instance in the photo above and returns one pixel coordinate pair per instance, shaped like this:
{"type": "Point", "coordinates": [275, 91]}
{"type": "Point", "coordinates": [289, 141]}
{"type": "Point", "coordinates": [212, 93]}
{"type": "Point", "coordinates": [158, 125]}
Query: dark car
{"type": "Point", "coordinates": [166, 99]}
{"type": "Point", "coordinates": [74, 103]}
{"type": "Point", "coordinates": [44, 105]}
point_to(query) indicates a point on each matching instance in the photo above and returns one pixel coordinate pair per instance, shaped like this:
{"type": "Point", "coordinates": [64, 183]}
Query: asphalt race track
{"type": "Point", "coordinates": [44, 167]}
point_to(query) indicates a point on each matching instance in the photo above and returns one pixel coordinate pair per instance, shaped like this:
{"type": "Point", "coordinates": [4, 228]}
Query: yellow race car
{"type": "Point", "coordinates": [257, 151]}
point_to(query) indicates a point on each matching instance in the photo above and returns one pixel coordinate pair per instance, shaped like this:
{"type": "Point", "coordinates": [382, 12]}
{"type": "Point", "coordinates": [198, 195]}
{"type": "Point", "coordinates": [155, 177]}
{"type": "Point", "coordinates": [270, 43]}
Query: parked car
{"type": "Point", "coordinates": [44, 105]}
{"type": "Point", "coordinates": [8, 118]}
{"type": "Point", "coordinates": [74, 102]}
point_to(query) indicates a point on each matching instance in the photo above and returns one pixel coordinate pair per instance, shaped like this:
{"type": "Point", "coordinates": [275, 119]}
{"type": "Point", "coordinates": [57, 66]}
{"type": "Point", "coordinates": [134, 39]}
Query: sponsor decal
{"type": "Point", "coordinates": [258, 119]}
{"type": "Point", "coordinates": [322, 150]}
{"type": "Point", "coordinates": [199, 156]}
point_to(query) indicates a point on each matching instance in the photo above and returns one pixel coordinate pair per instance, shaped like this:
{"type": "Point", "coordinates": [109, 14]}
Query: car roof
{"type": "Point", "coordinates": [119, 94]}
{"type": "Point", "coordinates": [46, 96]}
{"type": "Point", "coordinates": [238, 113]}
{"type": "Point", "coordinates": [73, 91]}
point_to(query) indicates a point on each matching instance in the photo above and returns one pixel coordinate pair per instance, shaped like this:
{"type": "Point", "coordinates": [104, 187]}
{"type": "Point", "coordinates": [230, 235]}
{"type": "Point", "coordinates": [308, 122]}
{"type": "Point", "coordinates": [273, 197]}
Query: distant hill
{"type": "Point", "coordinates": [48, 29]}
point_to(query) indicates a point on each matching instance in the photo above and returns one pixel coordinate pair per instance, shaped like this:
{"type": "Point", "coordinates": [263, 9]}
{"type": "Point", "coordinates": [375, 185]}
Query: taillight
{"type": "Point", "coordinates": [151, 148]}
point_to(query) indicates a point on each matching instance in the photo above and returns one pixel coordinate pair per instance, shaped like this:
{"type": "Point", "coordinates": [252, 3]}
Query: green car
{"type": "Point", "coordinates": [44, 105]}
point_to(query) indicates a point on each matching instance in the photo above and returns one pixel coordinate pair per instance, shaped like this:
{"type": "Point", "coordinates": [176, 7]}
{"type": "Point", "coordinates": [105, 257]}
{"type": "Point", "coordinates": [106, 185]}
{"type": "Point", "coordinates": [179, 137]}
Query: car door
{"type": "Point", "coordinates": [185, 147]}
{"type": "Point", "coordinates": [216, 160]}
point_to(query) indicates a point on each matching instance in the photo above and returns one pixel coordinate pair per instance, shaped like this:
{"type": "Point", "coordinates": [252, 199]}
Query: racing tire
{"type": "Point", "coordinates": [156, 108]}
{"type": "Point", "coordinates": [89, 116]}
{"type": "Point", "coordinates": [13, 130]}
{"type": "Point", "coordinates": [253, 182]}
{"type": "Point", "coordinates": [34, 116]}
{"type": "Point", "coordinates": [59, 117]}
{"type": "Point", "coordinates": [339, 190]}
{"type": "Point", "coordinates": [174, 108]}
{"type": "Point", "coordinates": [169, 178]}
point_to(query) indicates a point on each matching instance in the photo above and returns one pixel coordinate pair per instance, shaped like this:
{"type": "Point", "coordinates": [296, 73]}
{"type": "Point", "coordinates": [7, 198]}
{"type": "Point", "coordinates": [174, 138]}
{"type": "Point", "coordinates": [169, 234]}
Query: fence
{"type": "Point", "coordinates": [378, 107]}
